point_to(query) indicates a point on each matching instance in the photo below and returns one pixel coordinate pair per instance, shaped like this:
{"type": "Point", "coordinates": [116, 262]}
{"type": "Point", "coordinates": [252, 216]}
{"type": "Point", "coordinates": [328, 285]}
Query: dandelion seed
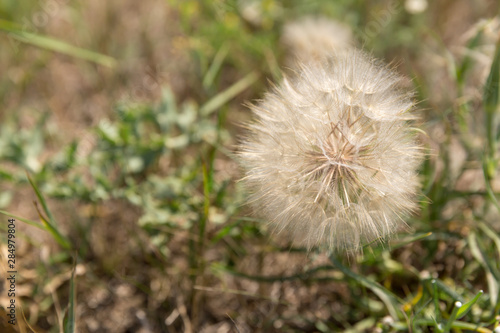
{"type": "Point", "coordinates": [330, 157]}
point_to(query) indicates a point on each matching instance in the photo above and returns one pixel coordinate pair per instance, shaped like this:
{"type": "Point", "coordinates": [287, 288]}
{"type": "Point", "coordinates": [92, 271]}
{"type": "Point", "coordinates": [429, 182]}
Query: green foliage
{"type": "Point", "coordinates": [70, 319]}
{"type": "Point", "coordinates": [21, 146]}
{"type": "Point", "coordinates": [17, 33]}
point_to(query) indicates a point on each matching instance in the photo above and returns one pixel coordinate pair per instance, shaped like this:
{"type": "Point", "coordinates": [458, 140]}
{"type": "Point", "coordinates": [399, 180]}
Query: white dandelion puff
{"type": "Point", "coordinates": [331, 157]}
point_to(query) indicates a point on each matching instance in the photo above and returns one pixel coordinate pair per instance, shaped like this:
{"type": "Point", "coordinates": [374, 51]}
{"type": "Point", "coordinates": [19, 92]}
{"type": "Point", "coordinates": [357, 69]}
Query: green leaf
{"type": "Point", "coordinates": [488, 172]}
{"type": "Point", "coordinates": [492, 234]}
{"type": "Point", "coordinates": [492, 87]}
{"type": "Point", "coordinates": [222, 98]}
{"type": "Point", "coordinates": [70, 320]}
{"type": "Point", "coordinates": [207, 187]}
{"type": "Point", "coordinates": [490, 102]}
{"type": "Point", "coordinates": [41, 199]}
{"type": "Point", "coordinates": [492, 277]}
{"type": "Point", "coordinates": [465, 308]}
{"type": "Point", "coordinates": [467, 61]}
{"type": "Point", "coordinates": [453, 316]}
{"type": "Point", "coordinates": [215, 66]}
{"type": "Point", "coordinates": [53, 231]}
{"type": "Point", "coordinates": [16, 32]}
{"type": "Point", "coordinates": [435, 298]}
{"type": "Point", "coordinates": [456, 325]}
{"type": "Point", "coordinates": [389, 299]}
{"type": "Point", "coordinates": [441, 286]}
{"type": "Point", "coordinates": [32, 223]}
{"type": "Point", "coordinates": [410, 240]}
{"type": "Point", "coordinates": [225, 231]}
{"type": "Point", "coordinates": [49, 224]}
{"type": "Point", "coordinates": [309, 275]}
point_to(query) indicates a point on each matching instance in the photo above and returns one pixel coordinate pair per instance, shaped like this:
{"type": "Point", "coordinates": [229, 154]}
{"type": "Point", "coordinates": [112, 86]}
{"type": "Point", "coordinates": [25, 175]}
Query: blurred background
{"type": "Point", "coordinates": [118, 128]}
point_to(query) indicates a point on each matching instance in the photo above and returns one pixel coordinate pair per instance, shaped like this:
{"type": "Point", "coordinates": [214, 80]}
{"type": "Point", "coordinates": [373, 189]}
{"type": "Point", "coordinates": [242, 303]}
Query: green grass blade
{"type": "Point", "coordinates": [456, 325]}
{"type": "Point", "coordinates": [385, 295]}
{"type": "Point", "coordinates": [225, 231]}
{"type": "Point", "coordinates": [490, 101]}
{"type": "Point", "coordinates": [53, 231]}
{"type": "Point", "coordinates": [309, 275]}
{"type": "Point", "coordinates": [492, 234]}
{"type": "Point", "coordinates": [49, 225]}
{"type": "Point", "coordinates": [492, 87]}
{"type": "Point", "coordinates": [442, 287]}
{"type": "Point", "coordinates": [491, 274]}
{"type": "Point", "coordinates": [220, 99]}
{"type": "Point", "coordinates": [467, 61]}
{"type": "Point", "coordinates": [70, 320]}
{"type": "Point", "coordinates": [41, 199]}
{"type": "Point", "coordinates": [55, 45]}
{"type": "Point", "coordinates": [32, 223]}
{"type": "Point", "coordinates": [453, 316]}
{"type": "Point", "coordinates": [488, 172]}
{"type": "Point", "coordinates": [215, 66]}
{"type": "Point", "coordinates": [207, 189]}
{"type": "Point", "coordinates": [435, 298]}
{"type": "Point", "coordinates": [464, 309]}
{"type": "Point", "coordinates": [410, 240]}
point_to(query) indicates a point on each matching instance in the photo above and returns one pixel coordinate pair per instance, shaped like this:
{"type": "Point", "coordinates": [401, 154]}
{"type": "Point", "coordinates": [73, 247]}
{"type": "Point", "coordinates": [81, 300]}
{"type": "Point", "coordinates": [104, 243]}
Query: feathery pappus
{"type": "Point", "coordinates": [331, 156]}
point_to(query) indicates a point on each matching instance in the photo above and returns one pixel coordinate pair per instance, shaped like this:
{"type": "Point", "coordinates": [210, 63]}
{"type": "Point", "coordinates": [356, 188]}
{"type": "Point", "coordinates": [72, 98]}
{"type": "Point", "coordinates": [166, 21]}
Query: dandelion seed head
{"type": "Point", "coordinates": [330, 157]}
{"type": "Point", "coordinates": [416, 6]}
